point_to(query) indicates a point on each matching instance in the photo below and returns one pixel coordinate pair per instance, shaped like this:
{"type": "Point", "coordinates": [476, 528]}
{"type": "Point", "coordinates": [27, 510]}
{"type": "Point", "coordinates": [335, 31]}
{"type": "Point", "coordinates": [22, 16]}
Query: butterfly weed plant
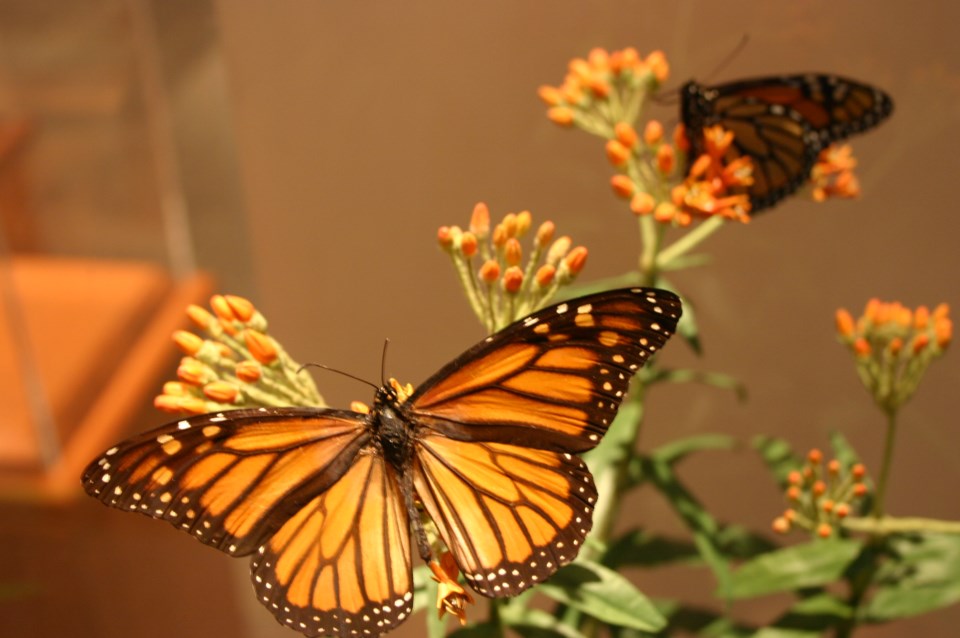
{"type": "Point", "coordinates": [860, 565]}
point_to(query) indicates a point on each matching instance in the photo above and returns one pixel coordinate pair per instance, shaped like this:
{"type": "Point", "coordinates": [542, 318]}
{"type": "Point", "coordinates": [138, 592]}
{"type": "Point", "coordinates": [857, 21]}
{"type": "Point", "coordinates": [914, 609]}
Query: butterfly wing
{"type": "Point", "coordinates": [782, 124]}
{"type": "Point", "coordinates": [230, 479]}
{"type": "Point", "coordinates": [553, 380]}
{"type": "Point", "coordinates": [341, 565]}
{"type": "Point", "coordinates": [510, 515]}
{"type": "Point", "coordinates": [498, 426]}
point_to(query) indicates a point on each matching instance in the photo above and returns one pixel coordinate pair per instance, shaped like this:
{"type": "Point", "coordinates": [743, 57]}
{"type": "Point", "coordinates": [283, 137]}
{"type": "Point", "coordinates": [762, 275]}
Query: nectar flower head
{"type": "Point", "coordinates": [820, 495]}
{"type": "Point", "coordinates": [512, 281]}
{"type": "Point", "coordinates": [452, 598]}
{"type": "Point", "coordinates": [893, 346]}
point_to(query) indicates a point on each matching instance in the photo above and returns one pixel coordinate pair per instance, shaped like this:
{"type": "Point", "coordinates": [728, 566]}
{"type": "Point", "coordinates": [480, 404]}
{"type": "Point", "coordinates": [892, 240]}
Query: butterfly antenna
{"type": "Point", "coordinates": [383, 363]}
{"type": "Point", "coordinates": [730, 57]}
{"type": "Point", "coordinates": [341, 372]}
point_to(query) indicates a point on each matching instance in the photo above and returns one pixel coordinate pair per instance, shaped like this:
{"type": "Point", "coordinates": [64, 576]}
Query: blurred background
{"type": "Point", "coordinates": [303, 154]}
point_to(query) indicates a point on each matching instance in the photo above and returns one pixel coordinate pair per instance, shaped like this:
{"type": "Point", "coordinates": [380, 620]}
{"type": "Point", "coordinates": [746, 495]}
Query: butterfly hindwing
{"type": "Point", "coordinates": [510, 515]}
{"type": "Point", "coordinates": [782, 123]}
{"type": "Point", "coordinates": [341, 565]}
{"type": "Point", "coordinates": [229, 479]}
{"type": "Point", "coordinates": [553, 380]}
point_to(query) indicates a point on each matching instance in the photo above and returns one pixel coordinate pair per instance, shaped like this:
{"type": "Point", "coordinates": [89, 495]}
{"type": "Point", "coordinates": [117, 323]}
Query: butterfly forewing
{"type": "Point", "coordinates": [341, 565]}
{"type": "Point", "coordinates": [229, 479]}
{"type": "Point", "coordinates": [782, 123]}
{"type": "Point", "coordinates": [511, 515]}
{"type": "Point", "coordinates": [553, 380]}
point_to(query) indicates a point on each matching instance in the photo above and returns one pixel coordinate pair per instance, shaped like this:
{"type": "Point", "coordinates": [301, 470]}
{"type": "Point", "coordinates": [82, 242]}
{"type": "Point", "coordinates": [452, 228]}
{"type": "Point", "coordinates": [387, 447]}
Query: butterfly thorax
{"type": "Point", "coordinates": [392, 431]}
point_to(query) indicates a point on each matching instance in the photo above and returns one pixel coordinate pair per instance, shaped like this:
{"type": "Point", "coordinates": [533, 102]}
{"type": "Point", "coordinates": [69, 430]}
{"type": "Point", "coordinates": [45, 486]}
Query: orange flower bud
{"type": "Point", "coordinates": [580, 69]}
{"type": "Point", "coordinates": [199, 316]}
{"type": "Point", "coordinates": [842, 510]}
{"type": "Point", "coordinates": [545, 275]}
{"type": "Point", "coordinates": [790, 514]}
{"type": "Point", "coordinates": [248, 371]}
{"type": "Point", "coordinates": [175, 389]}
{"type": "Point", "coordinates": [560, 115]}
{"type": "Point", "coordinates": [665, 158]}
{"type": "Point", "coordinates": [193, 372]}
{"type": "Point", "coordinates": [664, 212]}
{"type": "Point", "coordinates": [187, 341]}
{"type": "Point", "coordinates": [793, 493]}
{"type": "Point", "coordinates": [824, 530]}
{"type": "Point", "coordinates": [512, 279]}
{"type": "Point", "coordinates": [861, 347]}
{"type": "Point", "coordinates": [844, 323]}
{"type": "Point", "coordinates": [598, 58]}
{"type": "Point", "coordinates": [814, 456]}
{"type": "Point", "coordinates": [625, 134]}
{"type": "Point", "coordinates": [512, 252]}
{"type": "Point", "coordinates": [489, 271]}
{"type": "Point", "coordinates": [859, 470]}
{"type": "Point", "coordinates": [872, 310]}
{"type": "Point", "coordinates": [222, 308]}
{"type": "Point", "coordinates": [642, 203]}
{"type": "Point", "coordinates": [943, 332]}
{"type": "Point", "coordinates": [576, 260]}
{"type": "Point", "coordinates": [558, 250]}
{"type": "Point", "coordinates": [617, 153]}
{"type": "Point", "coordinates": [657, 62]}
{"type": "Point", "coordinates": [480, 220]}
{"type": "Point", "coordinates": [445, 237]}
{"type": "Point", "coordinates": [941, 311]}
{"type": "Point", "coordinates": [819, 488]}
{"type": "Point", "coordinates": [683, 218]}
{"type": "Point", "coordinates": [631, 58]}
{"type": "Point", "coordinates": [188, 404]}
{"type": "Point", "coordinates": [261, 347]}
{"type": "Point", "coordinates": [509, 223]}
{"type": "Point", "coordinates": [827, 505]}
{"type": "Point", "coordinates": [794, 478]}
{"type": "Point", "coordinates": [920, 342]}
{"type": "Point", "coordinates": [653, 133]}
{"type": "Point", "coordinates": [550, 95]}
{"type": "Point", "coordinates": [500, 235]}
{"type": "Point", "coordinates": [921, 318]}
{"type": "Point", "coordinates": [896, 344]}
{"type": "Point", "coordinates": [242, 308]}
{"type": "Point", "coordinates": [524, 221]}
{"type": "Point", "coordinates": [545, 233]}
{"type": "Point", "coordinates": [167, 403]}
{"type": "Point", "coordinates": [468, 244]}
{"type": "Point", "coordinates": [833, 467]}
{"type": "Point", "coordinates": [598, 86]}
{"type": "Point", "coordinates": [781, 525]}
{"type": "Point", "coordinates": [221, 391]}
{"type": "Point", "coordinates": [860, 490]}
{"type": "Point", "coordinates": [622, 185]}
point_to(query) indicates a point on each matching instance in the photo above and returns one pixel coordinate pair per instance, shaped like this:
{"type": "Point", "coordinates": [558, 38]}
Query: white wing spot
{"type": "Point", "coordinates": [105, 478]}
{"type": "Point", "coordinates": [562, 308]}
{"type": "Point", "coordinates": [111, 451]}
{"type": "Point", "coordinates": [164, 438]}
{"type": "Point", "coordinates": [584, 309]}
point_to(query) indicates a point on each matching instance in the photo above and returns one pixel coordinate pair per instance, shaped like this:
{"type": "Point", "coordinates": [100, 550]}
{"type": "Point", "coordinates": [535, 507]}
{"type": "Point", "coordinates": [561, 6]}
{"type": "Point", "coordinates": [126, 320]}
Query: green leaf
{"type": "Point", "coordinates": [810, 617]}
{"type": "Point", "coordinates": [638, 547]}
{"type": "Point", "coordinates": [739, 542]}
{"type": "Point", "coordinates": [703, 526]}
{"type": "Point", "coordinates": [677, 450]}
{"type": "Point", "coordinates": [922, 575]}
{"type": "Point", "coordinates": [603, 594]}
{"type": "Point", "coordinates": [618, 442]}
{"type": "Point", "coordinates": [715, 379]}
{"type": "Point", "coordinates": [687, 326]}
{"type": "Point", "coordinates": [808, 565]}
{"type": "Point", "coordinates": [778, 455]}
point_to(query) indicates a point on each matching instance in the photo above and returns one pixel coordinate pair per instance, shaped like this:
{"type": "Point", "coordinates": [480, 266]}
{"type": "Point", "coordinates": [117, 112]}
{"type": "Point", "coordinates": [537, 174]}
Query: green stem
{"type": "Point", "coordinates": [886, 525]}
{"type": "Point", "coordinates": [878, 503]}
{"type": "Point", "coordinates": [689, 241]}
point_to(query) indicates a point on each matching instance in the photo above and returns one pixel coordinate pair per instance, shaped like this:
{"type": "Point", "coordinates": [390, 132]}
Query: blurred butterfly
{"type": "Point", "coordinates": [782, 123]}
{"type": "Point", "coordinates": [327, 500]}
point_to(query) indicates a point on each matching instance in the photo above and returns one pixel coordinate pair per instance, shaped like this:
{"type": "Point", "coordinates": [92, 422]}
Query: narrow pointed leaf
{"type": "Point", "coordinates": [810, 565]}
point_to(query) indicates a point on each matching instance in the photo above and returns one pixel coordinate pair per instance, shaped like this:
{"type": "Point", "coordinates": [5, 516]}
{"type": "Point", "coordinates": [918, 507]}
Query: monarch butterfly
{"type": "Point", "coordinates": [327, 500]}
{"type": "Point", "coordinates": [782, 123]}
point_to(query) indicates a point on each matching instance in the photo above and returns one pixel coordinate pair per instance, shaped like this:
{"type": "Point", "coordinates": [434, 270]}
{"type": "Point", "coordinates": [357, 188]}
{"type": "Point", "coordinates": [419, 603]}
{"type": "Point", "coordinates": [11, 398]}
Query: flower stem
{"type": "Point", "coordinates": [689, 241]}
{"type": "Point", "coordinates": [878, 504]}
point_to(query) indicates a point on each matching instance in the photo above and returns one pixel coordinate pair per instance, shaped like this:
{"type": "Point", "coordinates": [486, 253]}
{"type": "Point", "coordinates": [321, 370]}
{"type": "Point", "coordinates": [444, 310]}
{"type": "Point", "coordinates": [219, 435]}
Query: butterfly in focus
{"type": "Point", "coordinates": [329, 502]}
{"type": "Point", "coordinates": [782, 123]}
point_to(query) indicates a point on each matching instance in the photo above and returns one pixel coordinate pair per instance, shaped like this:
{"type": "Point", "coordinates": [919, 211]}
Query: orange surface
{"type": "Point", "coordinates": [83, 345]}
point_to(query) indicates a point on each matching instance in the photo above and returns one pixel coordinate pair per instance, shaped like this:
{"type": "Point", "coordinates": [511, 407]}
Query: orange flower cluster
{"type": "Point", "coordinates": [707, 189]}
{"type": "Point", "coordinates": [604, 77]}
{"type": "Point", "coordinates": [893, 345]}
{"type": "Point", "coordinates": [821, 496]}
{"type": "Point", "coordinates": [237, 365]}
{"type": "Point", "coordinates": [452, 598]}
{"type": "Point", "coordinates": [504, 288]}
{"type": "Point", "coordinates": [832, 175]}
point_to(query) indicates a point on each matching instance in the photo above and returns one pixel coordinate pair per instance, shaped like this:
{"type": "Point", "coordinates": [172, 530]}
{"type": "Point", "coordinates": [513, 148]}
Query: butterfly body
{"type": "Point", "coordinates": [327, 500]}
{"type": "Point", "coordinates": [782, 123]}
